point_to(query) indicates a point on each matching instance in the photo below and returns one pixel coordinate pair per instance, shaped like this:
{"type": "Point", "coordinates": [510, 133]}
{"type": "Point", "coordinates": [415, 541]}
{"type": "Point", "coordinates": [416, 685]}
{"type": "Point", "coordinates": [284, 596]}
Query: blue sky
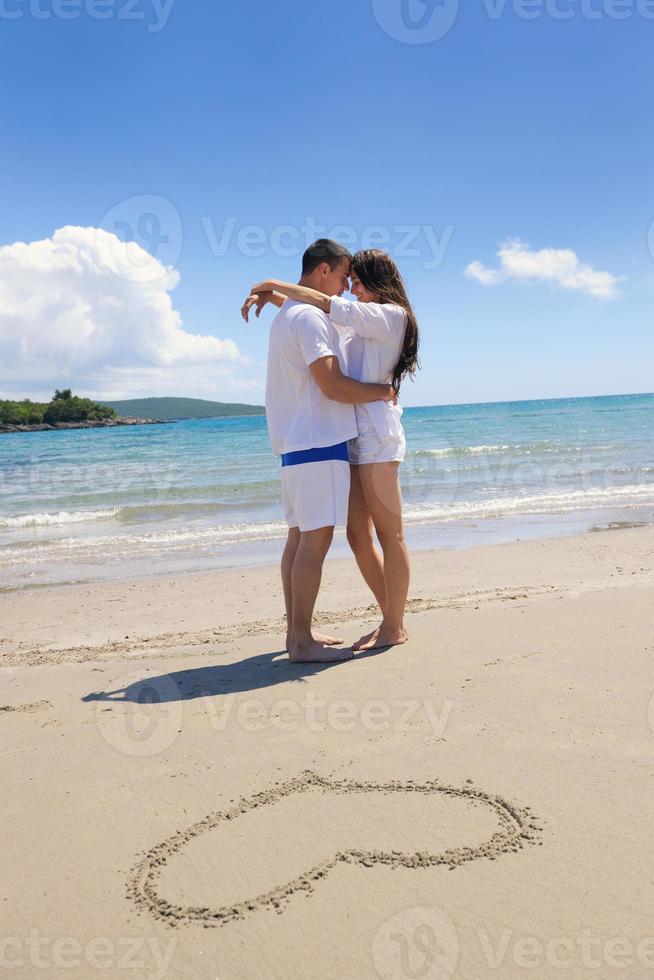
{"type": "Point", "coordinates": [210, 117]}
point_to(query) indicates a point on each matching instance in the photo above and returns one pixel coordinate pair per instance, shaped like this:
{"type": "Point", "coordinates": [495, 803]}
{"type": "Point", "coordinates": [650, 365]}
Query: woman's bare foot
{"type": "Point", "coordinates": [365, 639]}
{"type": "Point", "coordinates": [329, 641]}
{"type": "Point", "coordinates": [383, 636]}
{"type": "Point", "coordinates": [317, 653]}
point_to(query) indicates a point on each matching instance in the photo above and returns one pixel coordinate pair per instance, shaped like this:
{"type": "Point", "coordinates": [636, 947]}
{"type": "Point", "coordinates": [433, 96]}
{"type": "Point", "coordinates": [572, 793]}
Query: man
{"type": "Point", "coordinates": [309, 406]}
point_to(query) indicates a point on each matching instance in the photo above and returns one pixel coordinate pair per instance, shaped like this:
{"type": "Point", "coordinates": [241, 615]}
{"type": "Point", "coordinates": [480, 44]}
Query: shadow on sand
{"type": "Point", "coordinates": [251, 674]}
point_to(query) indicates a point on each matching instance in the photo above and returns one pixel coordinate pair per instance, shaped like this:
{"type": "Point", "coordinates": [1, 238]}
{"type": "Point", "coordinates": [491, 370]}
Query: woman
{"type": "Point", "coordinates": [380, 344]}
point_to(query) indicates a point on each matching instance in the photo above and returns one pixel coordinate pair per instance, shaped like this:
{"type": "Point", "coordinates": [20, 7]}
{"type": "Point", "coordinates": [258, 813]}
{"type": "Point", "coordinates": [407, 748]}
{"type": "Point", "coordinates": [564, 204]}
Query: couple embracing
{"type": "Point", "coordinates": [334, 374]}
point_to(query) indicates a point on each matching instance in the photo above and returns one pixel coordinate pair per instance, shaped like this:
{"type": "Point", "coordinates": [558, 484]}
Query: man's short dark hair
{"type": "Point", "coordinates": [324, 250]}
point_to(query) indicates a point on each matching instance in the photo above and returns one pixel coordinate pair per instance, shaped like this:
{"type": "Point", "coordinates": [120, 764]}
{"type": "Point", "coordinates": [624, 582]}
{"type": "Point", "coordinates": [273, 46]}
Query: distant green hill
{"type": "Point", "coordinates": [180, 408]}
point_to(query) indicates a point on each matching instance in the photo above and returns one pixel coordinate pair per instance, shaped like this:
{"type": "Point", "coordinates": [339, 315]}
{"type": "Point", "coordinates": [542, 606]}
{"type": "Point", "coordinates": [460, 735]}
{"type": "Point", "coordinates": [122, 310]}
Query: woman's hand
{"type": "Point", "coordinates": [258, 300]}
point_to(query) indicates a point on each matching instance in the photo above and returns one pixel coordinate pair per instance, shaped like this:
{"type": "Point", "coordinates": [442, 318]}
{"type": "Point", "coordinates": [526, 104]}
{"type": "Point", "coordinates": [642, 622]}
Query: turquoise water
{"type": "Point", "coordinates": [91, 504]}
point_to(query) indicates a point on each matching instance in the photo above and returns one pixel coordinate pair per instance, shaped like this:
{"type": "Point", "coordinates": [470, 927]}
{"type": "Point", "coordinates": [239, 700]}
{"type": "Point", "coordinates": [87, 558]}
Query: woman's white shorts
{"type": "Point", "coordinates": [369, 448]}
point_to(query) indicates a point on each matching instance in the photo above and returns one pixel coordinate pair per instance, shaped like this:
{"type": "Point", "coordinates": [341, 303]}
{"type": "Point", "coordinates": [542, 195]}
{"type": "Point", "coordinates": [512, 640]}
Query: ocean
{"type": "Point", "coordinates": [84, 505]}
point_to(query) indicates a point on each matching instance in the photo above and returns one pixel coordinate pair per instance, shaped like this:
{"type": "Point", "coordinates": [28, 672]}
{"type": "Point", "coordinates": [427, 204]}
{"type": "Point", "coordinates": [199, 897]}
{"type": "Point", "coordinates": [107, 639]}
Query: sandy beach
{"type": "Point", "coordinates": [180, 802]}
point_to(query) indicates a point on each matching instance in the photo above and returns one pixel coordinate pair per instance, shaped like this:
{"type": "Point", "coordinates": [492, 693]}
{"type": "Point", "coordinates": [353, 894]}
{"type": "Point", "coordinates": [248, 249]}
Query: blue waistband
{"type": "Point", "coordinates": [316, 455]}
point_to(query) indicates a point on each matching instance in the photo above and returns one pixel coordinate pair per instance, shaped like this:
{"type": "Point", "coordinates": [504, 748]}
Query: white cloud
{"type": "Point", "coordinates": [559, 266]}
{"type": "Point", "coordinates": [84, 310]}
{"type": "Point", "coordinates": [487, 277]}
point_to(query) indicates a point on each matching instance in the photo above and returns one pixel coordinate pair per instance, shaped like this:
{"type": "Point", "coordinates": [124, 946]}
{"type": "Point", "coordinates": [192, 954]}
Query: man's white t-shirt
{"type": "Point", "coordinates": [299, 415]}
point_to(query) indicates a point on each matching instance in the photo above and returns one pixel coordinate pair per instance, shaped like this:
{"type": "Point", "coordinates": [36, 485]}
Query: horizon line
{"type": "Point", "coordinates": [501, 401]}
{"type": "Point", "coordinates": [464, 404]}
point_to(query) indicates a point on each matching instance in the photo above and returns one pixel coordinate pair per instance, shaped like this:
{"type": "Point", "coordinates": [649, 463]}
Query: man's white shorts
{"type": "Point", "coordinates": [316, 494]}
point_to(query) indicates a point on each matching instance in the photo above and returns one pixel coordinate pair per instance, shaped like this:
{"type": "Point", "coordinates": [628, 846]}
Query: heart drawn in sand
{"type": "Point", "coordinates": [516, 827]}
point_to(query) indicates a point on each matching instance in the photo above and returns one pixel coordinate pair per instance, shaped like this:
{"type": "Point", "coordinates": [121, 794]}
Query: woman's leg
{"type": "Point", "coordinates": [380, 483]}
{"type": "Point", "coordinates": [360, 535]}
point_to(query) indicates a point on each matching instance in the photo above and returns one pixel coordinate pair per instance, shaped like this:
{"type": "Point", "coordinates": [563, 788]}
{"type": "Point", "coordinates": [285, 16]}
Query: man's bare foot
{"type": "Point", "coordinates": [382, 637]}
{"type": "Point", "coordinates": [317, 653]}
{"type": "Point", "coordinates": [329, 641]}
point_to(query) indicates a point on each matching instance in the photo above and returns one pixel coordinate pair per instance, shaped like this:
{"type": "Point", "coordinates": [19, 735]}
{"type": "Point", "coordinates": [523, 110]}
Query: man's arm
{"type": "Point", "coordinates": [327, 374]}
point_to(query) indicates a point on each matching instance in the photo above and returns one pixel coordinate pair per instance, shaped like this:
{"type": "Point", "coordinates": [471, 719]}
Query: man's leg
{"type": "Point", "coordinates": [288, 558]}
{"type": "Point", "coordinates": [306, 574]}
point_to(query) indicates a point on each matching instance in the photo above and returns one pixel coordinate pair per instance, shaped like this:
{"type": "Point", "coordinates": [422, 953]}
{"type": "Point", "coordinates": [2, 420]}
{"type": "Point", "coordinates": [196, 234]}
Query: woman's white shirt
{"type": "Point", "coordinates": [372, 335]}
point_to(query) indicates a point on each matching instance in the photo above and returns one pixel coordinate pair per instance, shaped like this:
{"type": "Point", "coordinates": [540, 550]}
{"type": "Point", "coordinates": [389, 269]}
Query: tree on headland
{"type": "Point", "coordinates": [25, 412]}
{"type": "Point", "coordinates": [64, 407]}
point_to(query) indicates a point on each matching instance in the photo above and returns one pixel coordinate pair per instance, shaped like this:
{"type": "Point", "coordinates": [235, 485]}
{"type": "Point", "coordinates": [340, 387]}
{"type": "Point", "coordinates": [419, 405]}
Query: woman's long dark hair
{"type": "Point", "coordinates": [378, 273]}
